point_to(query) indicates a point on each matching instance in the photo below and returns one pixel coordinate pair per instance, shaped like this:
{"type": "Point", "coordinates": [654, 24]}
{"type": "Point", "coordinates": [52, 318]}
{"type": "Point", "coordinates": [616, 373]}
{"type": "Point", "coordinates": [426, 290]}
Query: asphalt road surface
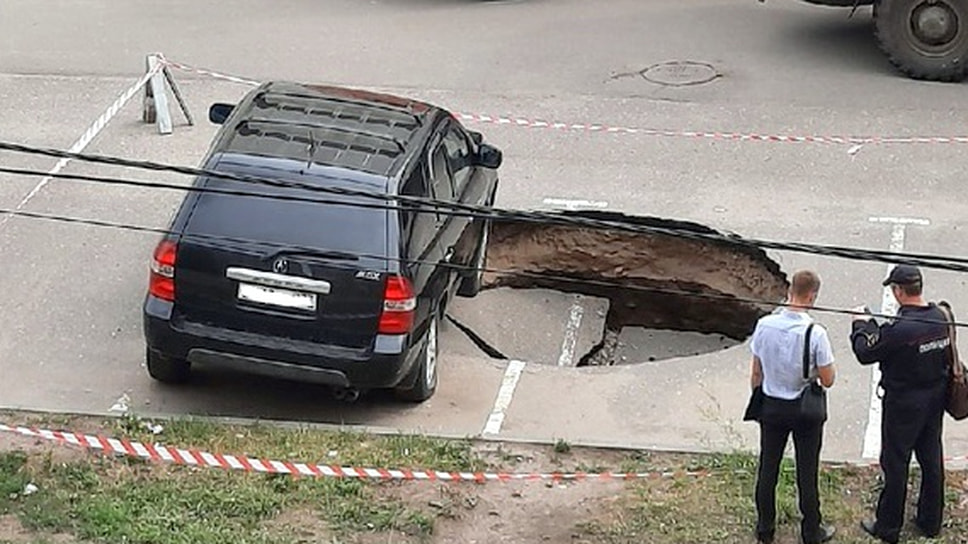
{"type": "Point", "coordinates": [71, 331]}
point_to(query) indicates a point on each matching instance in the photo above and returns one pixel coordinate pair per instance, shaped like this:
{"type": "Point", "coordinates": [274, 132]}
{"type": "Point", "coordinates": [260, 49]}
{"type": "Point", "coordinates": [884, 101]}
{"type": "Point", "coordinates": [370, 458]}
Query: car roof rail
{"type": "Point", "coordinates": [408, 110]}
{"type": "Point", "coordinates": [401, 146]}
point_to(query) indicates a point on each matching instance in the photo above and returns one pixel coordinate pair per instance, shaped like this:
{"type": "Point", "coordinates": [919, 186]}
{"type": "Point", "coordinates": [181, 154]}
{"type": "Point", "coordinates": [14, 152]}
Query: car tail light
{"type": "Point", "coordinates": [399, 303]}
{"type": "Point", "coordinates": [162, 280]}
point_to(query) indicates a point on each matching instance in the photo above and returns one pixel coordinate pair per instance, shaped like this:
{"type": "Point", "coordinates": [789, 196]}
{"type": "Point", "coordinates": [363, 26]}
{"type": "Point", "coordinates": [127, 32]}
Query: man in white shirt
{"type": "Point", "coordinates": [777, 346]}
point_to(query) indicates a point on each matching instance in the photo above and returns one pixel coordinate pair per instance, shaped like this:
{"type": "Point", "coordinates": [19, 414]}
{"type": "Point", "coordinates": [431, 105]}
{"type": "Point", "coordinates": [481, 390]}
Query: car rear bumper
{"type": "Point", "coordinates": [384, 367]}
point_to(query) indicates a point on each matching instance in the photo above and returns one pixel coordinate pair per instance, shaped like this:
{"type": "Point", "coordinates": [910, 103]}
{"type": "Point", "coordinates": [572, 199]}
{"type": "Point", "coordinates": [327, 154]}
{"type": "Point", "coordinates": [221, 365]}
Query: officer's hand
{"type": "Point", "coordinates": [861, 313]}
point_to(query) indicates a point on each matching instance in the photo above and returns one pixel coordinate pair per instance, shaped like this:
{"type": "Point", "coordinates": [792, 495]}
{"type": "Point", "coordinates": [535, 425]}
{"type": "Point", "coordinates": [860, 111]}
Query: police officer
{"type": "Point", "coordinates": [913, 359]}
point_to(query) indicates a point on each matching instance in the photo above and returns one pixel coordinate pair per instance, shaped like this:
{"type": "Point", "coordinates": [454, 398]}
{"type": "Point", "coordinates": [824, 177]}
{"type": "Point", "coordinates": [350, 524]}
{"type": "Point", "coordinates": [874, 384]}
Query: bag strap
{"type": "Point", "coordinates": [956, 368]}
{"type": "Point", "coordinates": [806, 353]}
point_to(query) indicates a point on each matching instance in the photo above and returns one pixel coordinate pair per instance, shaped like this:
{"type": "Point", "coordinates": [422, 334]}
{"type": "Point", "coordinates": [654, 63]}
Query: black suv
{"type": "Point", "coordinates": [332, 293]}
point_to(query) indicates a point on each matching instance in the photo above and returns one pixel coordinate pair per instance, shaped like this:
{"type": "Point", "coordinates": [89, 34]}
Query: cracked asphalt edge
{"type": "Point", "coordinates": [482, 344]}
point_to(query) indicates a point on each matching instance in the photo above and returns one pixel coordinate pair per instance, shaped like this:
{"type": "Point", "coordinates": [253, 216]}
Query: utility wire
{"type": "Point", "coordinates": [958, 264]}
{"type": "Point", "coordinates": [286, 197]}
{"type": "Point", "coordinates": [618, 284]}
{"type": "Point", "coordinates": [196, 189]}
{"type": "Point", "coordinates": [297, 198]}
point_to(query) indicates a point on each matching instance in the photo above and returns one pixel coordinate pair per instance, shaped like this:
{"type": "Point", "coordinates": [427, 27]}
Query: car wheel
{"type": "Point", "coordinates": [473, 279]}
{"type": "Point", "coordinates": [167, 370]}
{"type": "Point", "coordinates": [425, 371]}
{"type": "Point", "coordinates": [924, 39]}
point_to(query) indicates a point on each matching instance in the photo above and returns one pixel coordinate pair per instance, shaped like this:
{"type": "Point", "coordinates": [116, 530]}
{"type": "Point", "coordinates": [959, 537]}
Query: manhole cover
{"type": "Point", "coordinates": [680, 73]}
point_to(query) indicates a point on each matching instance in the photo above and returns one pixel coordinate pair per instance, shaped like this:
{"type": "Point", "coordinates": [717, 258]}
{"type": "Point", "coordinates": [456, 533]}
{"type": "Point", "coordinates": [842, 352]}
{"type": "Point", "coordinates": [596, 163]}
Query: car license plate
{"type": "Point", "coordinates": [277, 297]}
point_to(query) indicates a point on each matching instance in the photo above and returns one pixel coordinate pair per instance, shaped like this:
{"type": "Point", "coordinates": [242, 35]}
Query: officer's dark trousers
{"type": "Point", "coordinates": [911, 422]}
{"type": "Point", "coordinates": [778, 421]}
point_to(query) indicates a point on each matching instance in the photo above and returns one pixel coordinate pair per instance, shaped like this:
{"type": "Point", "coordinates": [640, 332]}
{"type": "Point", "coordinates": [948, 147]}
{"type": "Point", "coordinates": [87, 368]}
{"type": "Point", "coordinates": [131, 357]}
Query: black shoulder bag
{"type": "Point", "coordinates": [813, 400]}
{"type": "Point", "coordinates": [956, 402]}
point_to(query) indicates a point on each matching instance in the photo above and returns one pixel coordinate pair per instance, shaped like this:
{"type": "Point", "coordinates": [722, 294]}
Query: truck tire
{"type": "Point", "coordinates": [924, 39]}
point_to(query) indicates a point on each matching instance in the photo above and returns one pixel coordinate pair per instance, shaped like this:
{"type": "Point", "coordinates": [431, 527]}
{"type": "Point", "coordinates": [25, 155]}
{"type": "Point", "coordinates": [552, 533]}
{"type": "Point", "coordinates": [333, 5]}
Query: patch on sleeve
{"type": "Point", "coordinates": [934, 345]}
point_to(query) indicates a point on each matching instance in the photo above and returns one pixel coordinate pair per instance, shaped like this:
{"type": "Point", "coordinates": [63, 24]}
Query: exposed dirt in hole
{"type": "Point", "coordinates": [637, 263]}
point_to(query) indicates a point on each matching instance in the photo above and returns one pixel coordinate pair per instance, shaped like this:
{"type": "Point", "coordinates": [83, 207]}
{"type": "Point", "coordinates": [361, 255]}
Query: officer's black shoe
{"type": "Point", "coordinates": [826, 533]}
{"type": "Point", "coordinates": [870, 527]}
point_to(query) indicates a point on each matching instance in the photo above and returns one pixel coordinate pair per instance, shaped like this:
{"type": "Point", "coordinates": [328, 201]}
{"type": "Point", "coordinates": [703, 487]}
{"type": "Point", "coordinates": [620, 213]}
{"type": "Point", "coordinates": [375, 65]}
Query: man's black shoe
{"type": "Point", "coordinates": [826, 533]}
{"type": "Point", "coordinates": [922, 531]}
{"type": "Point", "coordinates": [870, 527]}
{"type": "Point", "coordinates": [765, 537]}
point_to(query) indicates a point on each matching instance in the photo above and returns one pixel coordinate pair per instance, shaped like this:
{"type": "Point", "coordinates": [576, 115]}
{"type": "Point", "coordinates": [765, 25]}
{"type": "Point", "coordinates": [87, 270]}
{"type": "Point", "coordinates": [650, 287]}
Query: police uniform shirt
{"type": "Point", "coordinates": [912, 354]}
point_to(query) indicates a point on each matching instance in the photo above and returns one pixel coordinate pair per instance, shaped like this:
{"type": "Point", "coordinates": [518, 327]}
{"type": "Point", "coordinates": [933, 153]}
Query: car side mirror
{"type": "Point", "coordinates": [489, 156]}
{"type": "Point", "coordinates": [218, 112]}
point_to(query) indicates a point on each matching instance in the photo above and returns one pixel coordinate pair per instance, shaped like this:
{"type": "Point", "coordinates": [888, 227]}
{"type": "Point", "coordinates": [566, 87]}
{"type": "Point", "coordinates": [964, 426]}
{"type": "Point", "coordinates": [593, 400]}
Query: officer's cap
{"type": "Point", "coordinates": [903, 274]}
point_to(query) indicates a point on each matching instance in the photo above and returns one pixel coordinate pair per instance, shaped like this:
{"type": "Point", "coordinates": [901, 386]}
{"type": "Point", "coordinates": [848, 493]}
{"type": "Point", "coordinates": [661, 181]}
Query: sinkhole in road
{"type": "Point", "coordinates": [662, 296]}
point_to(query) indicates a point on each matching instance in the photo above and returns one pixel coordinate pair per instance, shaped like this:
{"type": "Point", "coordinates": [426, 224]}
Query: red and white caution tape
{"type": "Point", "coordinates": [726, 136]}
{"type": "Point", "coordinates": [85, 139]}
{"type": "Point", "coordinates": [855, 141]}
{"type": "Point", "coordinates": [198, 458]}
{"type": "Point", "coordinates": [191, 457]}
{"type": "Point", "coordinates": [210, 73]}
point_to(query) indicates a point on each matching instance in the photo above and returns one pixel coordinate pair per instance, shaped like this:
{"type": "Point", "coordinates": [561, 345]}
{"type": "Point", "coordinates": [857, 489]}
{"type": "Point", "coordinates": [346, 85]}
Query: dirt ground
{"type": "Point", "coordinates": [512, 512]}
{"type": "Point", "coordinates": [716, 507]}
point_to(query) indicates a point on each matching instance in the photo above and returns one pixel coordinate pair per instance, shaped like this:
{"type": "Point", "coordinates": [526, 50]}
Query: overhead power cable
{"type": "Point", "coordinates": [958, 264]}
{"type": "Point", "coordinates": [615, 284]}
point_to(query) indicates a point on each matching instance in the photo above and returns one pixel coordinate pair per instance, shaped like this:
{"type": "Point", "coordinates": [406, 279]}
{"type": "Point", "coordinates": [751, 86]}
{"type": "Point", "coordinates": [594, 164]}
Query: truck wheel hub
{"type": "Point", "coordinates": [934, 23]}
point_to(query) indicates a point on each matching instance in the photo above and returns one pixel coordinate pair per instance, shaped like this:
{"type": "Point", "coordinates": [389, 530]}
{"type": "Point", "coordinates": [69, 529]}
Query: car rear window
{"type": "Point", "coordinates": [339, 226]}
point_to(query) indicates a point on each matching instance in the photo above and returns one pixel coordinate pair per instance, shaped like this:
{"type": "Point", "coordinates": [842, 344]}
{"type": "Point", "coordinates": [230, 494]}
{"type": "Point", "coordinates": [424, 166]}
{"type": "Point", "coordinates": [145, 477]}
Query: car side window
{"type": "Point", "coordinates": [420, 222]}
{"type": "Point", "coordinates": [440, 172]}
{"type": "Point", "coordinates": [458, 156]}
{"type": "Point", "coordinates": [441, 184]}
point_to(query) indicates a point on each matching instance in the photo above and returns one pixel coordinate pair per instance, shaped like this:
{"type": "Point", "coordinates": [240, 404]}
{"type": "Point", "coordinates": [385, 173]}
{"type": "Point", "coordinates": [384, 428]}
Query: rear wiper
{"type": "Point", "coordinates": [321, 254]}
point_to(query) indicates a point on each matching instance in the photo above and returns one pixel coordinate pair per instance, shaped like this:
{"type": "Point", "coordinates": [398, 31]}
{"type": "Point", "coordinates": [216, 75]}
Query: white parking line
{"type": "Point", "coordinates": [567, 356]}
{"type": "Point", "coordinates": [85, 139]}
{"type": "Point", "coordinates": [900, 220]}
{"type": "Point", "coordinates": [575, 204]}
{"type": "Point", "coordinates": [872, 434]}
{"type": "Point", "coordinates": [504, 395]}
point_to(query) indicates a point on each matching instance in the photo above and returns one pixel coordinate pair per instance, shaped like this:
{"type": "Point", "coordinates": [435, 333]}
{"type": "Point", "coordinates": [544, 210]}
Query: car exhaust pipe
{"type": "Point", "coordinates": [346, 394]}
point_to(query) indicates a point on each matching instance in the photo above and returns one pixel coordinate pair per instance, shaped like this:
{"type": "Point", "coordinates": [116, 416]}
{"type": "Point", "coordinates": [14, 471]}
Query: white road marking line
{"type": "Point", "coordinates": [567, 356]}
{"type": "Point", "coordinates": [504, 395]}
{"type": "Point", "coordinates": [575, 204]}
{"type": "Point", "coordinates": [872, 434]}
{"type": "Point", "coordinates": [900, 220]}
{"type": "Point", "coordinates": [85, 138]}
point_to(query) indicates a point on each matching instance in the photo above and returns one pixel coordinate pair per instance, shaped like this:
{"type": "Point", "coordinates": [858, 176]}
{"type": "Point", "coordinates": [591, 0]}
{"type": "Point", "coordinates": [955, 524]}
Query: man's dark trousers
{"type": "Point", "coordinates": [779, 420]}
{"type": "Point", "coordinates": [911, 422]}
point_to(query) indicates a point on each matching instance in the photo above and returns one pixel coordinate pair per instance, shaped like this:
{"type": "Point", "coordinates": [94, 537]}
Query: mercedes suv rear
{"type": "Point", "coordinates": [304, 284]}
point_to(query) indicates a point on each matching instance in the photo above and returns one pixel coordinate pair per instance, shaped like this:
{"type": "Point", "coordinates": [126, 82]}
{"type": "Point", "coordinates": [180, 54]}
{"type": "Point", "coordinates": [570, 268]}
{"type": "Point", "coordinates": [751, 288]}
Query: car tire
{"type": "Point", "coordinates": [166, 369]}
{"type": "Point", "coordinates": [424, 374]}
{"type": "Point", "coordinates": [910, 50]}
{"type": "Point", "coordinates": [472, 280]}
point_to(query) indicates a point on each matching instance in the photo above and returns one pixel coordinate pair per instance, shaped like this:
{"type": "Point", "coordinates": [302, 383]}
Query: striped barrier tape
{"type": "Point", "coordinates": [92, 131]}
{"type": "Point", "coordinates": [204, 72]}
{"type": "Point", "coordinates": [857, 142]}
{"type": "Point", "coordinates": [192, 457]}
